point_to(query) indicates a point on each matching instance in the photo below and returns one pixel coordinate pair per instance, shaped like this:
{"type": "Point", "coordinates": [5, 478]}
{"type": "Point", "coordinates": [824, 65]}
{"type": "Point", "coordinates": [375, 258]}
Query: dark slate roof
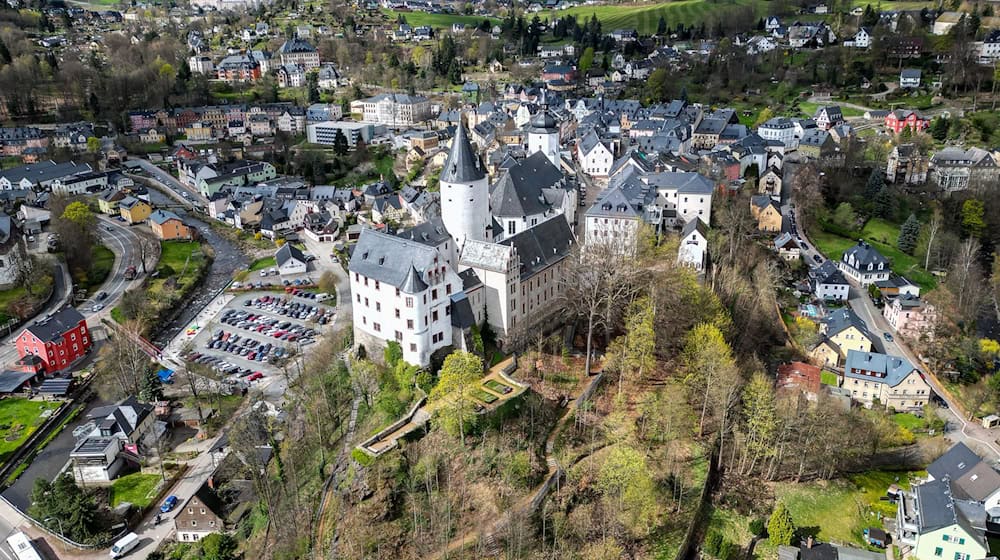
{"type": "Point", "coordinates": [431, 233]}
{"type": "Point", "coordinates": [685, 182]}
{"type": "Point", "coordinates": [461, 311]}
{"type": "Point", "coordinates": [209, 498]}
{"type": "Point", "coordinates": [865, 254]}
{"type": "Point", "coordinates": [543, 122]}
{"type": "Point", "coordinates": [469, 279]}
{"type": "Point", "coordinates": [910, 73]}
{"type": "Point", "coordinates": [935, 506]}
{"type": "Point", "coordinates": [954, 464]}
{"type": "Point", "coordinates": [51, 328]}
{"type": "Point", "coordinates": [12, 381]}
{"type": "Point", "coordinates": [462, 165]}
{"type": "Point", "coordinates": [387, 258]}
{"type": "Point", "coordinates": [541, 246]}
{"type": "Point", "coordinates": [287, 252]}
{"type": "Point", "coordinates": [519, 190]}
{"type": "Point", "coordinates": [413, 283]}
{"type": "Point", "coordinates": [297, 46]}
{"type": "Point", "coordinates": [116, 418]}
{"type": "Point", "coordinates": [843, 319]}
{"type": "Point", "coordinates": [6, 227]}
{"type": "Point", "coordinates": [695, 225]}
{"type": "Point", "coordinates": [819, 551]}
{"type": "Point", "coordinates": [828, 273]}
{"type": "Point", "coordinates": [55, 386]}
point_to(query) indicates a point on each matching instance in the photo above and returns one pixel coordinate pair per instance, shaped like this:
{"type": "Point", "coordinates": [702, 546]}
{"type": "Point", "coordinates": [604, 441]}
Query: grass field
{"type": "Point", "coordinates": [828, 378]}
{"type": "Point", "coordinates": [735, 528]}
{"type": "Point", "coordinates": [437, 20]}
{"type": "Point", "coordinates": [260, 264]}
{"type": "Point", "coordinates": [645, 17]}
{"type": "Point", "coordinates": [882, 235]}
{"type": "Point", "coordinates": [908, 421]}
{"type": "Point", "coordinates": [19, 418]}
{"type": "Point", "coordinates": [809, 109]}
{"type": "Point", "coordinates": [100, 266]}
{"type": "Point", "coordinates": [179, 260]}
{"type": "Point", "coordinates": [839, 510]}
{"type": "Point", "coordinates": [137, 489]}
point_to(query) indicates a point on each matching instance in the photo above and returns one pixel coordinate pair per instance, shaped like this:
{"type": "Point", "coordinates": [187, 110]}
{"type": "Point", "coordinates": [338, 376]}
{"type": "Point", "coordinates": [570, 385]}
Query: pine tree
{"type": "Point", "coordinates": [151, 390]}
{"type": "Point", "coordinates": [908, 235]}
{"type": "Point", "coordinates": [875, 184]}
{"type": "Point", "coordinates": [939, 129]}
{"type": "Point", "coordinates": [883, 203]}
{"type": "Point", "coordinates": [4, 53]}
{"type": "Point", "coordinates": [661, 26]}
{"type": "Point", "coordinates": [340, 146]}
{"type": "Point", "coordinates": [781, 527]}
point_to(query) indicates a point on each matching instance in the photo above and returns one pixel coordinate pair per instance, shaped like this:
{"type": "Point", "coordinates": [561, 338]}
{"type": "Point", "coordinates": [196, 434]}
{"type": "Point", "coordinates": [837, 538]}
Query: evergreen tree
{"type": "Point", "coordinates": [340, 145]}
{"type": "Point", "coordinates": [884, 203]}
{"type": "Point", "coordinates": [908, 235]}
{"type": "Point", "coordinates": [875, 184]}
{"type": "Point", "coordinates": [151, 389]}
{"type": "Point", "coordinates": [4, 53]}
{"type": "Point", "coordinates": [781, 527]}
{"type": "Point", "coordinates": [939, 129]}
{"type": "Point", "coordinates": [661, 26]}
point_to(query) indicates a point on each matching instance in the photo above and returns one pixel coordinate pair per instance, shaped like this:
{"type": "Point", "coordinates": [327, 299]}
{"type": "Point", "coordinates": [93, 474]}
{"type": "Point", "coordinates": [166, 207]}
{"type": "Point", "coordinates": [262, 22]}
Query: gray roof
{"type": "Point", "coordinates": [413, 283]}
{"type": "Point", "coordinates": [43, 171]}
{"type": "Point", "coordinates": [51, 328]}
{"type": "Point", "coordinates": [431, 233]}
{"type": "Point", "coordinates": [12, 381]}
{"type": "Point", "coordinates": [461, 311]}
{"type": "Point", "coordinates": [955, 463]}
{"type": "Point", "coordinates": [783, 240]}
{"type": "Point", "coordinates": [390, 259]}
{"type": "Point", "coordinates": [287, 252]}
{"type": "Point", "coordinates": [685, 182]}
{"type": "Point", "coordinates": [843, 319]}
{"type": "Point", "coordinates": [980, 482]}
{"type": "Point", "coordinates": [163, 216]}
{"type": "Point", "coordinates": [912, 73]}
{"type": "Point", "coordinates": [543, 122]}
{"type": "Point", "coordinates": [462, 165]}
{"type": "Point", "coordinates": [935, 507]}
{"type": "Point", "coordinates": [542, 246]}
{"type": "Point", "coordinates": [589, 142]}
{"type": "Point", "coordinates": [296, 45]}
{"type": "Point", "coordinates": [885, 368]}
{"type": "Point", "coordinates": [520, 190]}
{"type": "Point", "coordinates": [6, 227]}
{"type": "Point", "coordinates": [695, 225]}
{"type": "Point", "coordinates": [828, 273]}
{"type": "Point", "coordinates": [865, 254]}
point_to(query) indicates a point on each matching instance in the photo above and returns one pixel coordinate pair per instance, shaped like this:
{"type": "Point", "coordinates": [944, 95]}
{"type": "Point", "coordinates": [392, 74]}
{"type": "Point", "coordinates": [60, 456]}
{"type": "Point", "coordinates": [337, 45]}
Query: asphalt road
{"type": "Point", "coordinates": [190, 196]}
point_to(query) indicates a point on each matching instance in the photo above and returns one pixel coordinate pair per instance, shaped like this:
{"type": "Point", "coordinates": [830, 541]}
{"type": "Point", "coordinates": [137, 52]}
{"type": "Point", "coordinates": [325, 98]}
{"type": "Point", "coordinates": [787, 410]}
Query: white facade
{"type": "Point", "coordinates": [597, 162]}
{"type": "Point", "coordinates": [546, 142]}
{"type": "Point", "coordinates": [779, 129]}
{"type": "Point", "coordinates": [832, 291]}
{"type": "Point", "coordinates": [693, 249]}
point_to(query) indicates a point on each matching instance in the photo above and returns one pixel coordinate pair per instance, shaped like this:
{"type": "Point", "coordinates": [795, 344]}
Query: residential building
{"type": "Point", "coordinates": [864, 264]}
{"type": "Point", "coordinates": [55, 341]}
{"type": "Point", "coordinates": [12, 251]}
{"type": "Point", "coordinates": [766, 212]}
{"type": "Point", "coordinates": [899, 120]}
{"type": "Point", "coordinates": [39, 176]}
{"type": "Point", "coordinates": [989, 49]}
{"type": "Point", "coordinates": [862, 39]}
{"type": "Point", "coordinates": [905, 164]}
{"type": "Point", "coordinates": [291, 75]}
{"type": "Point", "coordinates": [911, 317]}
{"type": "Point", "coordinates": [200, 516]}
{"type": "Point", "coordinates": [829, 283]}
{"type": "Point", "coordinates": [134, 210]}
{"type": "Point", "coordinates": [895, 286]}
{"type": "Point", "coordinates": [936, 520]}
{"type": "Point", "coordinates": [201, 65]}
{"type": "Point", "coordinates": [100, 460]}
{"type": "Point", "coordinates": [780, 129]}
{"type": "Point", "coordinates": [325, 133]}
{"type": "Point", "coordinates": [167, 226]}
{"type": "Point", "coordinates": [594, 155]}
{"type": "Point", "coordinates": [842, 331]}
{"type": "Point", "coordinates": [945, 21]}
{"type": "Point", "coordinates": [107, 201]}
{"type": "Point", "coordinates": [797, 378]}
{"type": "Point", "coordinates": [298, 52]}
{"type": "Point", "coordinates": [528, 193]}
{"type": "Point", "coordinates": [787, 247]}
{"type": "Point", "coordinates": [769, 183]}
{"type": "Point", "coordinates": [891, 381]}
{"type": "Point", "coordinates": [828, 117]}
{"type": "Point", "coordinates": [909, 78]}
{"type": "Point", "coordinates": [238, 68]}
{"type": "Point", "coordinates": [955, 169]}
{"type": "Point", "coordinates": [693, 249]}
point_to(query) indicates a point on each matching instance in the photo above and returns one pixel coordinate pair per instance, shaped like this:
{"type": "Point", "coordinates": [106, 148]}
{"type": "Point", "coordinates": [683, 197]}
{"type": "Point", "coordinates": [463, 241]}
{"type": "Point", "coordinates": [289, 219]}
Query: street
{"type": "Point", "coordinates": [188, 195]}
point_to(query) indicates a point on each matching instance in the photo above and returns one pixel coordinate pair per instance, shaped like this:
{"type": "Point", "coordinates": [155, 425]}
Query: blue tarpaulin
{"type": "Point", "coordinates": [165, 375]}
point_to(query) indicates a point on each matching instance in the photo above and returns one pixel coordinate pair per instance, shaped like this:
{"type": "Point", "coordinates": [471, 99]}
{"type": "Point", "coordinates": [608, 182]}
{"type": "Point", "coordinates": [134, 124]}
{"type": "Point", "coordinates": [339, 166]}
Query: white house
{"type": "Point", "coordinates": [892, 381]}
{"type": "Point", "coordinates": [862, 39]}
{"type": "Point", "coordinates": [864, 264]}
{"type": "Point", "coordinates": [829, 283]}
{"type": "Point", "coordinates": [594, 156]}
{"type": "Point", "coordinates": [909, 78]}
{"type": "Point", "coordinates": [693, 250]}
{"type": "Point", "coordinates": [290, 260]}
{"type": "Point", "coordinates": [787, 247]}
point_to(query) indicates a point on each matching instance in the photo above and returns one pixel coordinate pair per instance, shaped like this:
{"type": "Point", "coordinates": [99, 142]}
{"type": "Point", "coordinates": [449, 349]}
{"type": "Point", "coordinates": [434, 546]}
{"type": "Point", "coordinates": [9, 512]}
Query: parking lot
{"type": "Point", "coordinates": [254, 335]}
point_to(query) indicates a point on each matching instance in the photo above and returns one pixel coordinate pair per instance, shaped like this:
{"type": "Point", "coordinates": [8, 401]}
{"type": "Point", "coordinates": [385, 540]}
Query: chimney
{"type": "Point", "coordinates": [809, 542]}
{"type": "Point", "coordinates": [211, 482]}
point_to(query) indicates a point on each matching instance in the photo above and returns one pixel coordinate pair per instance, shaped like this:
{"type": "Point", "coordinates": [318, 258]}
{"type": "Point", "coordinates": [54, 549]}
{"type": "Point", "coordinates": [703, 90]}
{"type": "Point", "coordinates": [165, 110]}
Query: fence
{"type": "Point", "coordinates": [68, 542]}
{"type": "Point", "coordinates": [688, 545]}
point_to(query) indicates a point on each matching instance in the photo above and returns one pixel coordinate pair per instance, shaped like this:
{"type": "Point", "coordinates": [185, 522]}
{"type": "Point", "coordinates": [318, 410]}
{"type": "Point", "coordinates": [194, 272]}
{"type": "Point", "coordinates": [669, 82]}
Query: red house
{"type": "Point", "coordinates": [901, 119]}
{"type": "Point", "coordinates": [53, 343]}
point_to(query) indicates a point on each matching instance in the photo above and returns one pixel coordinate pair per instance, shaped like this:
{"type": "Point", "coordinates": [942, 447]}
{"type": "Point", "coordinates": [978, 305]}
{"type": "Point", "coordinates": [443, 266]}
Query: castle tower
{"type": "Point", "coordinates": [543, 136]}
{"type": "Point", "coordinates": [465, 192]}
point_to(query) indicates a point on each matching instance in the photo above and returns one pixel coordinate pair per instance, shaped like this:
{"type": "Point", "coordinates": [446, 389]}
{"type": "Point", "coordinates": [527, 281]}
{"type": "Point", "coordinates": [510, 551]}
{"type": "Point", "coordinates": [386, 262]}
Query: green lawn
{"type": "Point", "coordinates": [100, 266]}
{"type": "Point", "coordinates": [840, 509]}
{"type": "Point", "coordinates": [19, 418]}
{"type": "Point", "coordinates": [828, 378]}
{"type": "Point", "coordinates": [809, 109]}
{"type": "Point", "coordinates": [137, 489]}
{"type": "Point", "coordinates": [181, 260]}
{"type": "Point", "coordinates": [908, 421]}
{"type": "Point", "coordinates": [735, 528]}
{"type": "Point", "coordinates": [18, 292]}
{"type": "Point", "coordinates": [437, 20]}
{"type": "Point", "coordinates": [260, 264]}
{"type": "Point", "coordinates": [645, 17]}
{"type": "Point", "coordinates": [883, 236]}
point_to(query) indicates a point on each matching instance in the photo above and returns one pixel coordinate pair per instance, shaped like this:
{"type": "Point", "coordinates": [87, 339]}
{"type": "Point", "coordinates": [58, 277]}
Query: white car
{"type": "Point", "coordinates": [97, 307]}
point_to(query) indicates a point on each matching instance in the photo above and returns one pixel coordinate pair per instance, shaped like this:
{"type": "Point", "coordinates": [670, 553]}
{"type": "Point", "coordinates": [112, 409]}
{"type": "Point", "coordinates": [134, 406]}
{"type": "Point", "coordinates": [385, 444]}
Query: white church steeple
{"type": "Point", "coordinates": [543, 136]}
{"type": "Point", "coordinates": [465, 192]}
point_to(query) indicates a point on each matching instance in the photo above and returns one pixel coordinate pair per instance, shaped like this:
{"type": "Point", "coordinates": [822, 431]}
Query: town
{"type": "Point", "coordinates": [421, 279]}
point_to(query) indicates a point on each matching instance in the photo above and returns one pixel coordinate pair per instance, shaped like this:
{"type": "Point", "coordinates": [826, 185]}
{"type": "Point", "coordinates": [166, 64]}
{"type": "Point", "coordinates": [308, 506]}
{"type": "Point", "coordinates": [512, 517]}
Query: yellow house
{"type": "Point", "coordinates": [766, 212]}
{"type": "Point", "coordinates": [108, 201]}
{"type": "Point", "coordinates": [843, 331]}
{"type": "Point", "coordinates": [134, 211]}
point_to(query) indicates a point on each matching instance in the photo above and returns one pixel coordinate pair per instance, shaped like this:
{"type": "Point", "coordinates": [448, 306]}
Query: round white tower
{"type": "Point", "coordinates": [543, 136]}
{"type": "Point", "coordinates": [465, 192]}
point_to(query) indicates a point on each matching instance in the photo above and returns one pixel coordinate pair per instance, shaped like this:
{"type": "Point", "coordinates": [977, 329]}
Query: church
{"type": "Point", "coordinates": [497, 255]}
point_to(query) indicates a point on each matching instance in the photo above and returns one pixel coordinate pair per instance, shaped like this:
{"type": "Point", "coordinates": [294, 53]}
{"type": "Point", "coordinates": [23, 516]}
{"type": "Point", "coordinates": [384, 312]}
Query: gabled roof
{"type": "Point", "coordinates": [541, 246]}
{"type": "Point", "coordinates": [387, 258]}
{"type": "Point", "coordinates": [955, 463]}
{"type": "Point", "coordinates": [694, 225]}
{"type": "Point", "coordinates": [864, 254]}
{"type": "Point", "coordinates": [163, 216]}
{"type": "Point", "coordinates": [288, 252]}
{"type": "Point", "coordinates": [520, 190]}
{"type": "Point", "coordinates": [431, 233]}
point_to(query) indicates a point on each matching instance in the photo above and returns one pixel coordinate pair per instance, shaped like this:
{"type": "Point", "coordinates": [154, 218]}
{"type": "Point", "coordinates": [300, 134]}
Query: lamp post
{"type": "Point", "coordinates": [59, 521]}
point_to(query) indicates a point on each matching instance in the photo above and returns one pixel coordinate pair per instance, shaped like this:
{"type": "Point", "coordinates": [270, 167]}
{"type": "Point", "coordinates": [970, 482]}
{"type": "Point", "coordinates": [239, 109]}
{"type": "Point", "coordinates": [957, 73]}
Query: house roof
{"type": "Point", "coordinates": [431, 233]}
{"type": "Point", "coordinates": [799, 375]}
{"type": "Point", "coordinates": [543, 245]}
{"type": "Point", "coordinates": [955, 463]}
{"type": "Point", "coordinates": [489, 256]}
{"type": "Point", "coordinates": [288, 252]}
{"type": "Point", "coordinates": [864, 254]}
{"type": "Point", "coordinates": [828, 273]}
{"type": "Point", "coordinates": [685, 182]}
{"type": "Point", "coordinates": [12, 381]}
{"type": "Point", "coordinates": [843, 319]}
{"type": "Point", "coordinates": [910, 73]}
{"type": "Point", "coordinates": [295, 46]}
{"type": "Point", "coordinates": [52, 327]}
{"type": "Point", "coordinates": [520, 190]}
{"type": "Point", "coordinates": [123, 417]}
{"type": "Point", "coordinates": [462, 165]}
{"type": "Point", "coordinates": [390, 259]}
{"type": "Point", "coordinates": [979, 483]}
{"type": "Point", "coordinates": [43, 171]}
{"type": "Point", "coordinates": [694, 225]}
{"type": "Point", "coordinates": [163, 216]}
{"type": "Point", "coordinates": [786, 241]}
{"type": "Point", "coordinates": [888, 369]}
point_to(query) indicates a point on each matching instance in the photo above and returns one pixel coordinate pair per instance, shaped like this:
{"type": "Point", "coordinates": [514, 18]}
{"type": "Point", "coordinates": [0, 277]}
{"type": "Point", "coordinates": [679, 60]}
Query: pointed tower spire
{"type": "Point", "coordinates": [413, 283]}
{"type": "Point", "coordinates": [462, 165]}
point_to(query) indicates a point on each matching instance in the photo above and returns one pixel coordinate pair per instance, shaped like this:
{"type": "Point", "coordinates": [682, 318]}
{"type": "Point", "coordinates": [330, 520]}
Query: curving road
{"type": "Point", "coordinates": [188, 195]}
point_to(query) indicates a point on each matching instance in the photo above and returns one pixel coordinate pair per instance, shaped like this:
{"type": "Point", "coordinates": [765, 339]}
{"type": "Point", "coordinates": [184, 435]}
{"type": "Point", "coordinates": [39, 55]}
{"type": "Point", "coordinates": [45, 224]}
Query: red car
{"type": "Point", "coordinates": [255, 376]}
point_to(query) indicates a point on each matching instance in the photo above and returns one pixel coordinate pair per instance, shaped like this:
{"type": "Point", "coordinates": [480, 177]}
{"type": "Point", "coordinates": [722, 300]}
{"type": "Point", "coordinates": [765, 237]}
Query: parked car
{"type": "Point", "coordinates": [817, 258]}
{"type": "Point", "coordinates": [887, 336]}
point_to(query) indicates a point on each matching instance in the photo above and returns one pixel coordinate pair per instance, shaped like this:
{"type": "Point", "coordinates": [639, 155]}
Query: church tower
{"type": "Point", "coordinates": [465, 192]}
{"type": "Point", "coordinates": [543, 136]}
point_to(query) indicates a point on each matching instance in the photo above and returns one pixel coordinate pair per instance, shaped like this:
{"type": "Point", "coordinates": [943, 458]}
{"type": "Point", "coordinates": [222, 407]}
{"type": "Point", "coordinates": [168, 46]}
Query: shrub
{"type": "Point", "coordinates": [361, 457]}
{"type": "Point", "coordinates": [757, 527]}
{"type": "Point", "coordinates": [713, 540]}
